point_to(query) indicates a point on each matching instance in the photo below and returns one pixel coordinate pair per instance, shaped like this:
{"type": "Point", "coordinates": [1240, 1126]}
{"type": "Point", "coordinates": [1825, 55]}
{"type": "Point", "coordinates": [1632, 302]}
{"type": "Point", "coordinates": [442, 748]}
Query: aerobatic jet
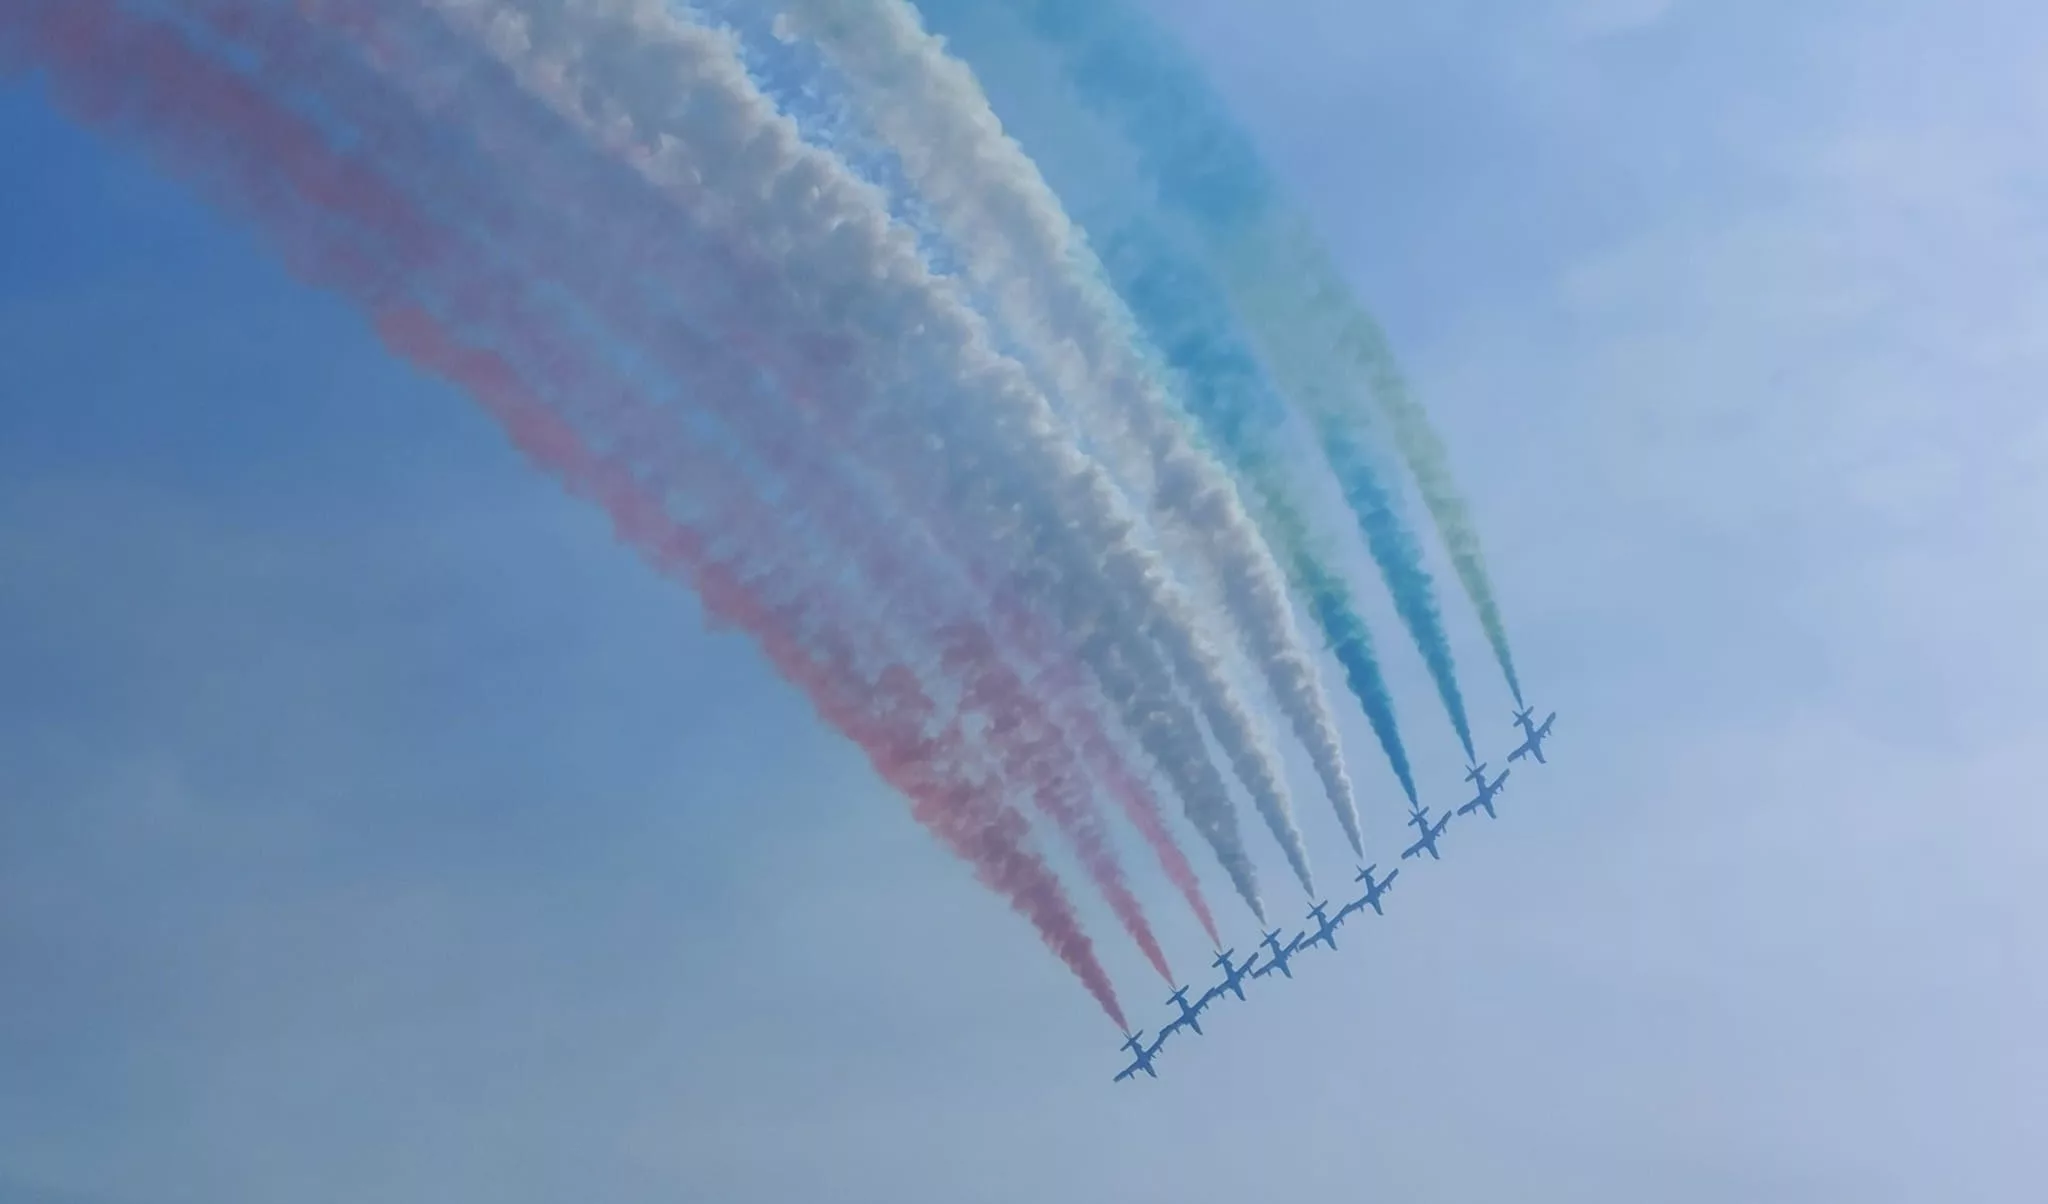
{"type": "Point", "coordinates": [1533, 735]}
{"type": "Point", "coordinates": [1190, 1016]}
{"type": "Point", "coordinates": [1419, 818]}
{"type": "Point", "coordinates": [1233, 976]}
{"type": "Point", "coordinates": [1325, 929]}
{"type": "Point", "coordinates": [1278, 957]}
{"type": "Point", "coordinates": [1486, 792]}
{"type": "Point", "coordinates": [1373, 891]}
{"type": "Point", "coordinates": [1141, 1055]}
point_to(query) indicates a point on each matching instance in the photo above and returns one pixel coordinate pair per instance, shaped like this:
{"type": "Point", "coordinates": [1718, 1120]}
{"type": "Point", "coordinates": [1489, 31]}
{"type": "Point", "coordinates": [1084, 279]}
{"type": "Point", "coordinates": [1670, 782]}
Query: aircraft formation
{"type": "Point", "coordinates": [1322, 925]}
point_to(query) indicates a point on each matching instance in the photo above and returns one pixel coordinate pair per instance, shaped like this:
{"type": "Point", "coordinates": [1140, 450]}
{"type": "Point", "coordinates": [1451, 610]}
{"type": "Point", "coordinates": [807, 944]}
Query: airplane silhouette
{"type": "Point", "coordinates": [1233, 976]}
{"type": "Point", "coordinates": [1278, 958]}
{"type": "Point", "coordinates": [1189, 1016]}
{"type": "Point", "coordinates": [1419, 818]}
{"type": "Point", "coordinates": [1142, 1055]}
{"type": "Point", "coordinates": [1486, 792]}
{"type": "Point", "coordinates": [1533, 735]}
{"type": "Point", "coordinates": [1373, 891]}
{"type": "Point", "coordinates": [1326, 928]}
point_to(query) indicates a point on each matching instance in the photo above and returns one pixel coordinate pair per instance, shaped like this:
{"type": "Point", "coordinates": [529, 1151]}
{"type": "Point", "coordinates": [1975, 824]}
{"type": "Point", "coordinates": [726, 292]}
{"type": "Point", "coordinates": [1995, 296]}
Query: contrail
{"type": "Point", "coordinates": [675, 102]}
{"type": "Point", "coordinates": [342, 226]}
{"type": "Point", "coordinates": [1312, 332]}
{"type": "Point", "coordinates": [1030, 749]}
{"type": "Point", "coordinates": [1017, 246]}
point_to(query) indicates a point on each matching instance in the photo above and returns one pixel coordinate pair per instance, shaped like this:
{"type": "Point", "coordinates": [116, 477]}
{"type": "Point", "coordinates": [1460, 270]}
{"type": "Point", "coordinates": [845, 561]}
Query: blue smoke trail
{"type": "Point", "coordinates": [1227, 395]}
{"type": "Point", "coordinates": [1351, 644]}
{"type": "Point", "coordinates": [1394, 549]}
{"type": "Point", "coordinates": [1203, 170]}
{"type": "Point", "coordinates": [1180, 308]}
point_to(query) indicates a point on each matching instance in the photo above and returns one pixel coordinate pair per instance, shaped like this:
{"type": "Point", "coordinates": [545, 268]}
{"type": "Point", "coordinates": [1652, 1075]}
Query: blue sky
{"type": "Point", "coordinates": [372, 828]}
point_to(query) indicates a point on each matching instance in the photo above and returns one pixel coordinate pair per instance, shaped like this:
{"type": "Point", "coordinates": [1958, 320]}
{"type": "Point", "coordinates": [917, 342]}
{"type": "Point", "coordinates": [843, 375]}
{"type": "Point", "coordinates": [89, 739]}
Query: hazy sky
{"type": "Point", "coordinates": [373, 829]}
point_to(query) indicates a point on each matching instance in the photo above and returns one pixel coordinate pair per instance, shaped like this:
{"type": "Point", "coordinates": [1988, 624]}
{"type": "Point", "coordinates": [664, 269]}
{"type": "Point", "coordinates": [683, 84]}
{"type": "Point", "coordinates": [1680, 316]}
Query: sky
{"type": "Point", "coordinates": [374, 829]}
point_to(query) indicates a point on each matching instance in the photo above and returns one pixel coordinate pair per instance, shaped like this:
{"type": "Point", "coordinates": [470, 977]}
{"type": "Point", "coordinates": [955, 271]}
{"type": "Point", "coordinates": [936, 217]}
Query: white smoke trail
{"type": "Point", "coordinates": [674, 100]}
{"type": "Point", "coordinates": [1017, 246]}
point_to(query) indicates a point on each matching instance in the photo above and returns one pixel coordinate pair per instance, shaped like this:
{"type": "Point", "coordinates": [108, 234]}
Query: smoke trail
{"type": "Point", "coordinates": [1032, 753]}
{"type": "Point", "coordinates": [1017, 246]}
{"type": "Point", "coordinates": [1139, 805]}
{"type": "Point", "coordinates": [675, 102]}
{"type": "Point", "coordinates": [1430, 465]}
{"type": "Point", "coordinates": [1299, 352]}
{"type": "Point", "coordinates": [344, 228]}
{"type": "Point", "coordinates": [1400, 562]}
{"type": "Point", "coordinates": [1311, 330]}
{"type": "Point", "coordinates": [1351, 644]}
{"type": "Point", "coordinates": [1031, 750]}
{"type": "Point", "coordinates": [1059, 681]}
{"type": "Point", "coordinates": [632, 232]}
{"type": "Point", "coordinates": [1173, 296]}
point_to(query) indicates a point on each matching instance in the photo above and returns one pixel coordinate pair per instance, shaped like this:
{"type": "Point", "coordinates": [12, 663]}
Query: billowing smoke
{"type": "Point", "coordinates": [964, 426]}
{"type": "Point", "coordinates": [1325, 351]}
{"type": "Point", "coordinates": [1017, 247]}
{"type": "Point", "coordinates": [1004, 527]}
{"type": "Point", "coordinates": [437, 298]}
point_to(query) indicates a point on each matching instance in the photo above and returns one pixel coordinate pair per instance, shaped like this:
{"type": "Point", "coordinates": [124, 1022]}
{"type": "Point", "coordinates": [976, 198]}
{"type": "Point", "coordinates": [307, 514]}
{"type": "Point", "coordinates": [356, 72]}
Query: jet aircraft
{"type": "Point", "coordinates": [1486, 792]}
{"type": "Point", "coordinates": [1141, 1055]}
{"type": "Point", "coordinates": [1419, 818]}
{"type": "Point", "coordinates": [1277, 959]}
{"type": "Point", "coordinates": [1190, 1016]}
{"type": "Point", "coordinates": [1373, 891]}
{"type": "Point", "coordinates": [1326, 928]}
{"type": "Point", "coordinates": [1533, 735]}
{"type": "Point", "coordinates": [1233, 976]}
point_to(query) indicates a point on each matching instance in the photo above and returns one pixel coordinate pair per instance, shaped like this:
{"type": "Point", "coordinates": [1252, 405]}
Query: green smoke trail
{"type": "Point", "coordinates": [1203, 170]}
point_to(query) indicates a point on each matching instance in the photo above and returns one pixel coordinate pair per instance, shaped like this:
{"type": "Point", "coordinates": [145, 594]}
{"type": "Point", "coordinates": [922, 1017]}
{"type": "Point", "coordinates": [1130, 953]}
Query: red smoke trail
{"type": "Point", "coordinates": [887, 716]}
{"type": "Point", "coordinates": [1032, 746]}
{"type": "Point", "coordinates": [1031, 735]}
{"type": "Point", "coordinates": [343, 227]}
{"type": "Point", "coordinates": [1137, 800]}
{"type": "Point", "coordinates": [1028, 739]}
